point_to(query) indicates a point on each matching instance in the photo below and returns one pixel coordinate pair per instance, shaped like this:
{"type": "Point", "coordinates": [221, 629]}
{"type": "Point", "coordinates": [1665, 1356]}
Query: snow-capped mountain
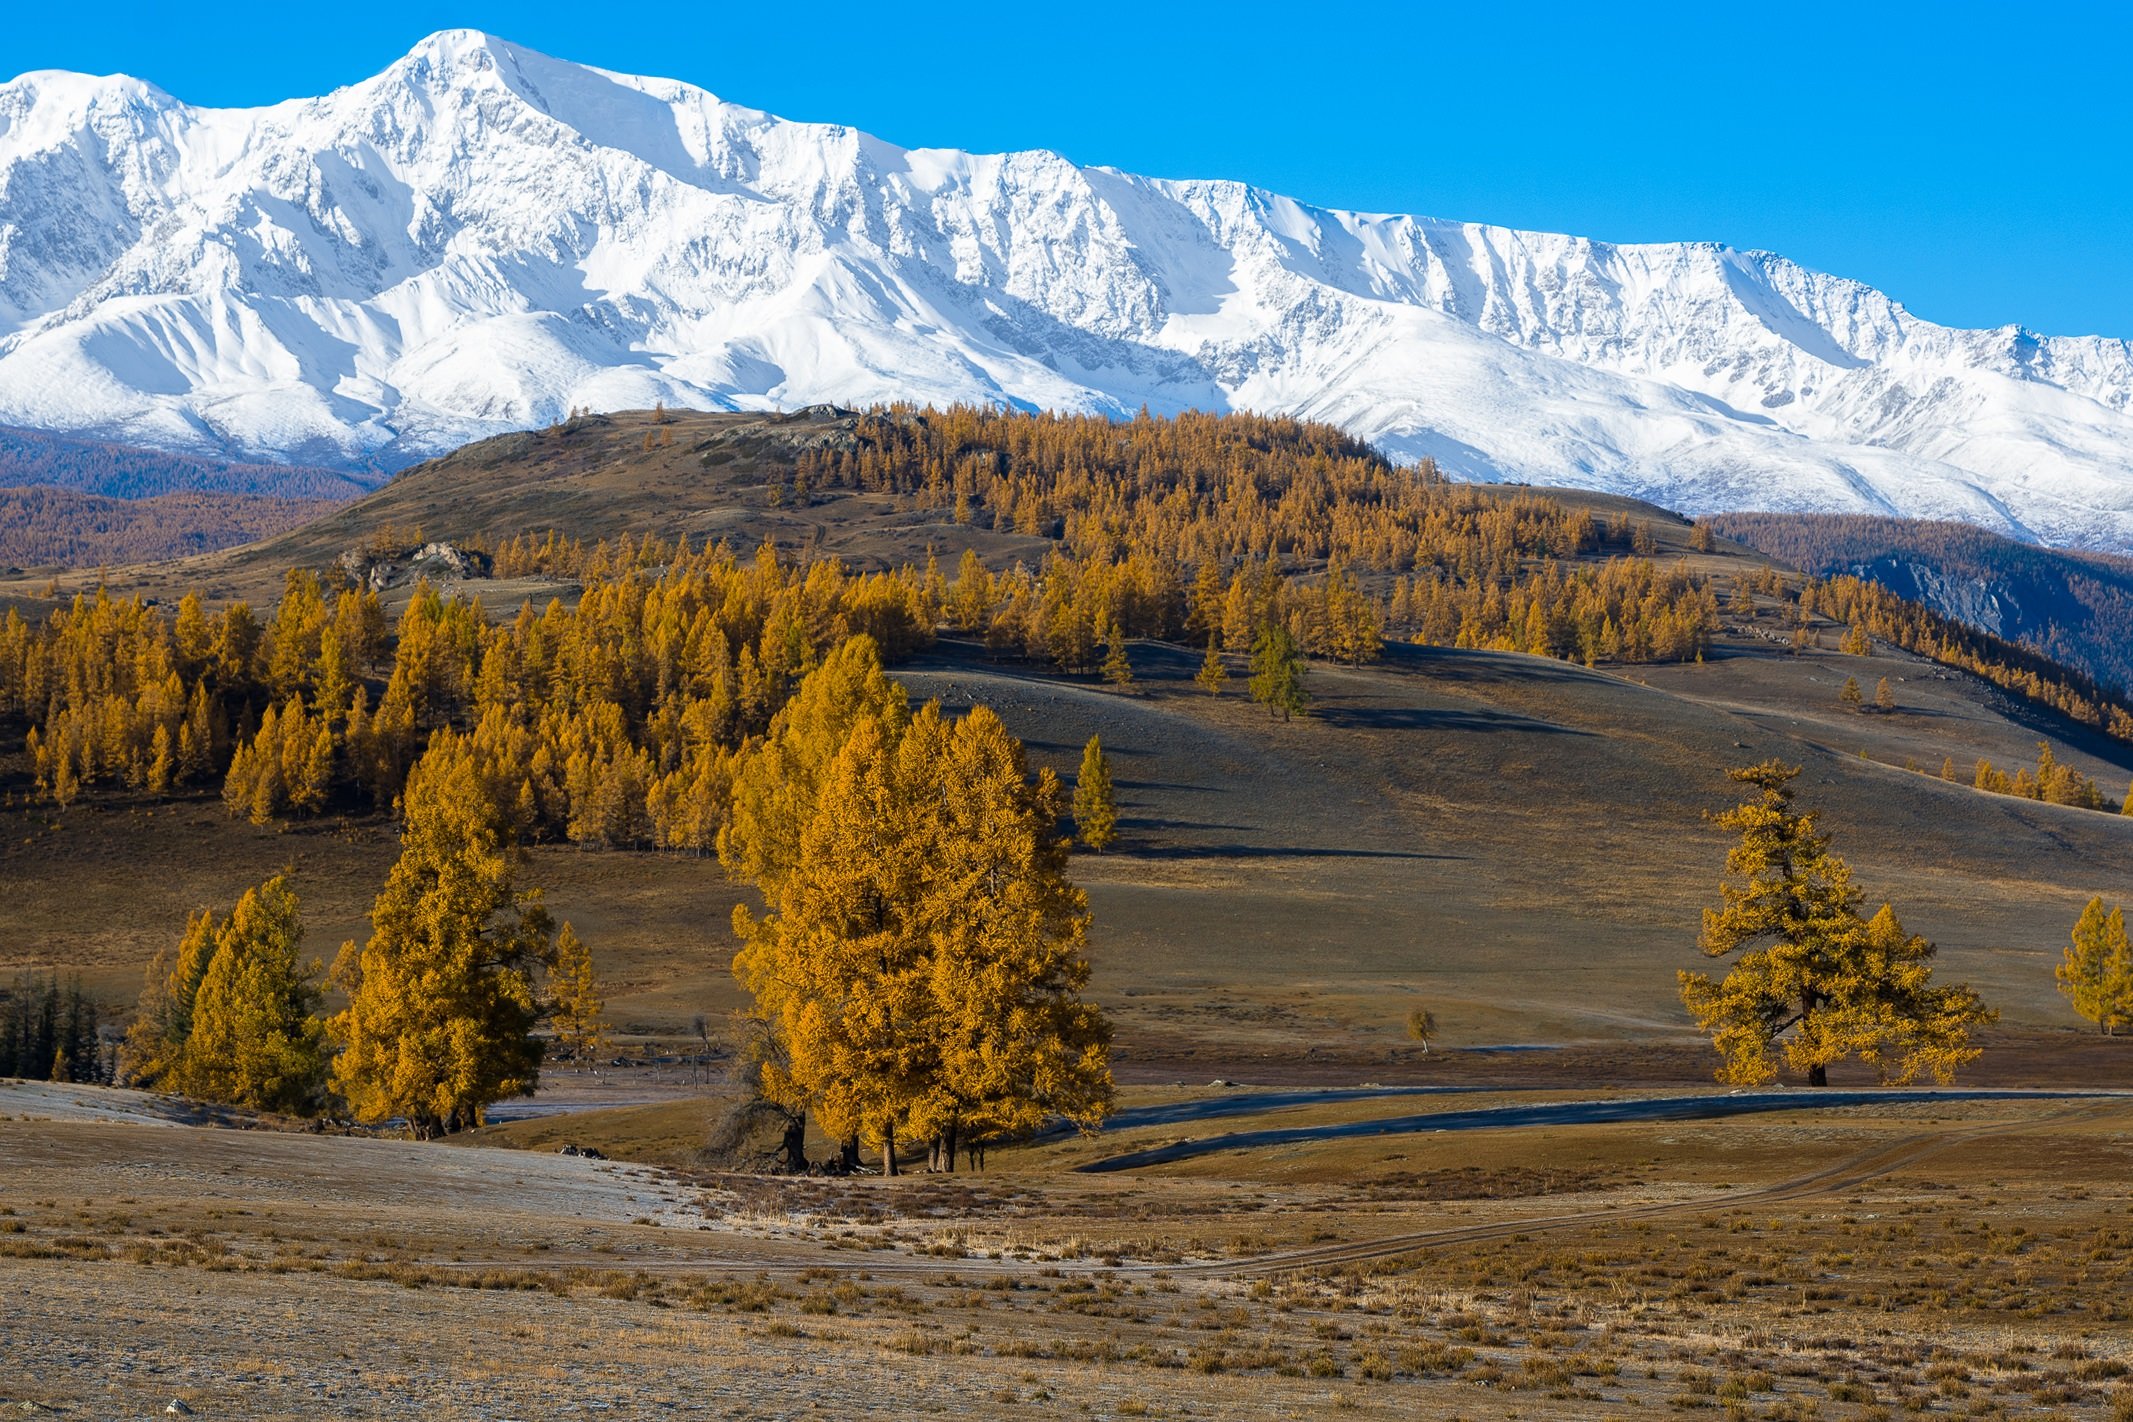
{"type": "Point", "coordinates": [481, 237]}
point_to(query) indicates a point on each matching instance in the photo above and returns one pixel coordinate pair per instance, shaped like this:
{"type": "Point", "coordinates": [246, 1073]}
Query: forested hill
{"type": "Point", "coordinates": [2075, 608]}
{"type": "Point", "coordinates": [120, 471]}
{"type": "Point", "coordinates": [43, 527]}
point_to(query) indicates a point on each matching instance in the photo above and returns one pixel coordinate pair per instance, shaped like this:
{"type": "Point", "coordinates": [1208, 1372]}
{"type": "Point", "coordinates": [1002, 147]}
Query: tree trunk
{"type": "Point", "coordinates": [948, 1149]}
{"type": "Point", "coordinates": [848, 1153]}
{"type": "Point", "coordinates": [795, 1144]}
{"type": "Point", "coordinates": [888, 1148]}
{"type": "Point", "coordinates": [1818, 1075]}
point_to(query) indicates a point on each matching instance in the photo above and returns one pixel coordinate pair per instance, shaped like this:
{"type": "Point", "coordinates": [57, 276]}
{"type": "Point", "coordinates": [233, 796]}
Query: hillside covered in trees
{"type": "Point", "coordinates": [641, 596]}
{"type": "Point", "coordinates": [50, 527]}
{"type": "Point", "coordinates": [124, 471]}
{"type": "Point", "coordinates": [610, 710]}
{"type": "Point", "coordinates": [2074, 608]}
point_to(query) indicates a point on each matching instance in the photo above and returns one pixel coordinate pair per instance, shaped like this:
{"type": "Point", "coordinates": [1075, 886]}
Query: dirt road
{"type": "Point", "coordinates": [1829, 1180]}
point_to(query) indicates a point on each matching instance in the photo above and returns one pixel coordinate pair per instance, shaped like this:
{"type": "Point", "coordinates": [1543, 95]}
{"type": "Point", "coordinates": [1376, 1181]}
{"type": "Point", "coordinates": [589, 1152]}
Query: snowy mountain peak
{"type": "Point", "coordinates": [481, 237]}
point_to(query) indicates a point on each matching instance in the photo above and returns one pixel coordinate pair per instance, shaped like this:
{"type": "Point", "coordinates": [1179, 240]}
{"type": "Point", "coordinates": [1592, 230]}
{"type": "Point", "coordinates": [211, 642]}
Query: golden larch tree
{"type": "Point", "coordinates": [1213, 675]}
{"type": "Point", "coordinates": [579, 1012]}
{"type": "Point", "coordinates": [441, 1004]}
{"type": "Point", "coordinates": [155, 1040]}
{"type": "Point", "coordinates": [778, 783]}
{"type": "Point", "coordinates": [256, 1037]}
{"type": "Point", "coordinates": [1007, 933]}
{"type": "Point", "coordinates": [920, 965]}
{"type": "Point", "coordinates": [2097, 972]}
{"type": "Point", "coordinates": [838, 966]}
{"type": "Point", "coordinates": [1808, 973]}
{"type": "Point", "coordinates": [1095, 803]}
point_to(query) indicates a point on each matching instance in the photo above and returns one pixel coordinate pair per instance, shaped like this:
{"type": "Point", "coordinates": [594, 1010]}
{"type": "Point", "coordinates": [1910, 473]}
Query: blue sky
{"type": "Point", "coordinates": [1975, 161]}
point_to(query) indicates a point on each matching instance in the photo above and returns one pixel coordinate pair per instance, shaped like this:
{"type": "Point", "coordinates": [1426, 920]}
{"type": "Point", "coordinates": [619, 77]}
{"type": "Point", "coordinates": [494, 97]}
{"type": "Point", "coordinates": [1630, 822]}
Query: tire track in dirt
{"type": "Point", "coordinates": [1845, 1174]}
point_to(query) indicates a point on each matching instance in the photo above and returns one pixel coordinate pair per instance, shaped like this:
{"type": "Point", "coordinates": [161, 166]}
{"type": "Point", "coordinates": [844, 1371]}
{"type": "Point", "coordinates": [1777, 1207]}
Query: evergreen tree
{"type": "Point", "coordinates": [1278, 672]}
{"type": "Point", "coordinates": [1117, 671]}
{"type": "Point", "coordinates": [579, 1011]}
{"type": "Point", "coordinates": [1884, 696]}
{"type": "Point", "coordinates": [154, 1049]}
{"type": "Point", "coordinates": [777, 787]}
{"type": "Point", "coordinates": [48, 1031]}
{"type": "Point", "coordinates": [441, 1008]}
{"type": "Point", "coordinates": [1095, 807]}
{"type": "Point", "coordinates": [256, 1039]}
{"type": "Point", "coordinates": [2097, 973]}
{"type": "Point", "coordinates": [1214, 675]}
{"type": "Point", "coordinates": [1807, 965]}
{"type": "Point", "coordinates": [1851, 695]}
{"type": "Point", "coordinates": [920, 965]}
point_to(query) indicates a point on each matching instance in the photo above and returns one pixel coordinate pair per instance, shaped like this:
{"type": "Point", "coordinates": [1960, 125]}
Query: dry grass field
{"type": "Point", "coordinates": [1948, 1259]}
{"type": "Point", "coordinates": [1520, 845]}
{"type": "Point", "coordinates": [1517, 843]}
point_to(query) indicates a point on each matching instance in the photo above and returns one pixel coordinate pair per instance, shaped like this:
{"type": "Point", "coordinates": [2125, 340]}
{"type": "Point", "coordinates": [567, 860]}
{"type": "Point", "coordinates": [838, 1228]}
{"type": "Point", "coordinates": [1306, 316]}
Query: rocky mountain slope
{"type": "Point", "coordinates": [2076, 608]}
{"type": "Point", "coordinates": [481, 238]}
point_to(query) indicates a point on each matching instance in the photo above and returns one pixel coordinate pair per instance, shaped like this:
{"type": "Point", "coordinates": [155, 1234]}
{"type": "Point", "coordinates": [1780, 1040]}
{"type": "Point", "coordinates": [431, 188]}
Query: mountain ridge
{"type": "Point", "coordinates": [481, 238]}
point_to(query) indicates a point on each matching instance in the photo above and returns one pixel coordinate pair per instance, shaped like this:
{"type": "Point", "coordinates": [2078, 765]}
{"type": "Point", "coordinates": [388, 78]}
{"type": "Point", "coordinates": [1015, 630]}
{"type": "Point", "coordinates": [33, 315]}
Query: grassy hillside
{"type": "Point", "coordinates": [2076, 608]}
{"type": "Point", "coordinates": [703, 476]}
{"type": "Point", "coordinates": [1517, 842]}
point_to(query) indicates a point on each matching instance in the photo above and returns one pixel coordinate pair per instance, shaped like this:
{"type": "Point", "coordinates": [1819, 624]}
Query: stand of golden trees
{"type": "Point", "coordinates": [1869, 609]}
{"type": "Point", "coordinates": [443, 998]}
{"type": "Point", "coordinates": [619, 720]}
{"type": "Point", "coordinates": [230, 1014]}
{"type": "Point", "coordinates": [919, 965]}
{"type": "Point", "coordinates": [2053, 781]}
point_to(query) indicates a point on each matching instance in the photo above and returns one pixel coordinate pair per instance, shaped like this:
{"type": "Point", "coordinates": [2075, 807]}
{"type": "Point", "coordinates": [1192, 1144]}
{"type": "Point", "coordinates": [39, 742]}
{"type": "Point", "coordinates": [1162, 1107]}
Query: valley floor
{"type": "Point", "coordinates": [1942, 1257]}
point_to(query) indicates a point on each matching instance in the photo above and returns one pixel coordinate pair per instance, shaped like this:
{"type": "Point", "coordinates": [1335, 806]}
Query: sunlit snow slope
{"type": "Point", "coordinates": [481, 237]}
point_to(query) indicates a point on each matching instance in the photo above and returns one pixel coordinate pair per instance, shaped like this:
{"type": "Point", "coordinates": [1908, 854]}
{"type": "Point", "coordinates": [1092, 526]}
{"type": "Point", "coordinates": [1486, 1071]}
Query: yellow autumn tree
{"type": "Point", "coordinates": [779, 780]}
{"type": "Point", "coordinates": [838, 966]}
{"type": "Point", "coordinates": [1095, 803]}
{"type": "Point", "coordinates": [256, 1038]}
{"type": "Point", "coordinates": [1006, 933]}
{"type": "Point", "coordinates": [921, 962]}
{"type": "Point", "coordinates": [163, 1020]}
{"type": "Point", "coordinates": [579, 1011]}
{"type": "Point", "coordinates": [1808, 974]}
{"type": "Point", "coordinates": [441, 999]}
{"type": "Point", "coordinates": [2097, 972]}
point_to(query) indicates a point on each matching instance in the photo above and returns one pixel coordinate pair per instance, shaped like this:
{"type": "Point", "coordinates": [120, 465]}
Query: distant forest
{"type": "Point", "coordinates": [2075, 608]}
{"type": "Point", "coordinates": [120, 471]}
{"type": "Point", "coordinates": [46, 527]}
